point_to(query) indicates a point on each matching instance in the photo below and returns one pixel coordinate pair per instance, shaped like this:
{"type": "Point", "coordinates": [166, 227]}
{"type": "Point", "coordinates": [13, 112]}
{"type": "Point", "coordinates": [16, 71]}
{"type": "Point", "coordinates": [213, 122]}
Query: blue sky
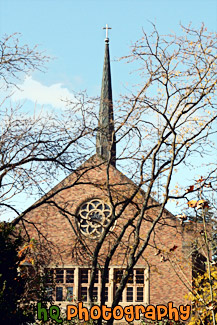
{"type": "Point", "coordinates": [71, 32]}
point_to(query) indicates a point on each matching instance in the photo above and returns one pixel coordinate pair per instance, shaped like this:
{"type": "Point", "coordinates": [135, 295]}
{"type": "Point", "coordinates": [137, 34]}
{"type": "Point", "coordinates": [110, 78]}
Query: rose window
{"type": "Point", "coordinates": [93, 216]}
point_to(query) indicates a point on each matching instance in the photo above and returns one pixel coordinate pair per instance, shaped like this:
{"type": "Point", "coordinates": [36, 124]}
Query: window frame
{"type": "Point", "coordinates": [80, 283]}
{"type": "Point", "coordinates": [131, 284]}
{"type": "Point", "coordinates": [64, 284]}
{"type": "Point", "coordinates": [97, 285]}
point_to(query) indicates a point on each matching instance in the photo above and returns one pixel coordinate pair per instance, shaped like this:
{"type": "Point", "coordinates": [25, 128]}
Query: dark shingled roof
{"type": "Point", "coordinates": [105, 135]}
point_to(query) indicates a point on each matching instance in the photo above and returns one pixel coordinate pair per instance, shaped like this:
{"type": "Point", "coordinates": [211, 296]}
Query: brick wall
{"type": "Point", "coordinates": [55, 229]}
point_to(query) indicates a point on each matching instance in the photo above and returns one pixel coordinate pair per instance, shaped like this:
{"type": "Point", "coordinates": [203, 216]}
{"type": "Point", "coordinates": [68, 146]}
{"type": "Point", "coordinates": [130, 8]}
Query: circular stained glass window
{"type": "Point", "coordinates": [93, 216]}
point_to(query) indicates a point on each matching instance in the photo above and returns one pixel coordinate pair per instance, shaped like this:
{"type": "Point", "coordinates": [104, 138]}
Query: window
{"type": "Point", "coordinates": [59, 293]}
{"type": "Point", "coordinates": [129, 293]}
{"type": "Point", "coordinates": [95, 294]}
{"type": "Point", "coordinates": [93, 216]}
{"type": "Point", "coordinates": [69, 276]}
{"type": "Point", "coordinates": [140, 276]}
{"type": "Point", "coordinates": [83, 294]}
{"type": "Point", "coordinates": [118, 275]}
{"type": "Point", "coordinates": [84, 281]}
{"type": "Point", "coordinates": [96, 279]}
{"type": "Point", "coordinates": [139, 292]}
{"type": "Point", "coordinates": [61, 285]}
{"type": "Point", "coordinates": [69, 294]}
{"type": "Point", "coordinates": [64, 281]}
{"type": "Point", "coordinates": [84, 276]}
{"type": "Point", "coordinates": [134, 290]}
{"type": "Point", "coordinates": [130, 280]}
{"type": "Point", "coordinates": [59, 276]}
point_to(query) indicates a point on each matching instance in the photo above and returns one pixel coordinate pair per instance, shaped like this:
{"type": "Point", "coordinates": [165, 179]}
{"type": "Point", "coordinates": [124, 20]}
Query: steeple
{"type": "Point", "coordinates": [105, 134]}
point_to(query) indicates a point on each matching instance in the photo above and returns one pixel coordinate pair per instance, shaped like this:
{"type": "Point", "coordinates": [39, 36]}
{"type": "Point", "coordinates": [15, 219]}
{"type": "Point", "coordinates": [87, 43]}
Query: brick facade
{"type": "Point", "coordinates": [168, 269]}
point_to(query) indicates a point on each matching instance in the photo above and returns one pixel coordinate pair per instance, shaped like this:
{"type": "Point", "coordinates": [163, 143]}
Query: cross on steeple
{"type": "Point", "coordinates": [107, 28]}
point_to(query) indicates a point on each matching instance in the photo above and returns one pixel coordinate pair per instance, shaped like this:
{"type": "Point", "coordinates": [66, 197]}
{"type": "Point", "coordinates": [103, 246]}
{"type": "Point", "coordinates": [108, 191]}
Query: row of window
{"type": "Point", "coordinates": [130, 295]}
{"type": "Point", "coordinates": [60, 275]}
{"type": "Point", "coordinates": [67, 276]}
{"type": "Point", "coordinates": [66, 294]}
{"type": "Point", "coordinates": [64, 281]}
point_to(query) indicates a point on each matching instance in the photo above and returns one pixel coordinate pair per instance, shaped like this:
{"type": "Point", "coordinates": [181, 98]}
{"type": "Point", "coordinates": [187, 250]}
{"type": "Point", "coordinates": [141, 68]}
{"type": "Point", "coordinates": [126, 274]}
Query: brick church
{"type": "Point", "coordinates": [93, 231]}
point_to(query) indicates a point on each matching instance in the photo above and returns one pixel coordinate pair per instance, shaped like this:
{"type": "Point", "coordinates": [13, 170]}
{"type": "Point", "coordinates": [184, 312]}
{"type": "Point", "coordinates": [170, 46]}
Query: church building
{"type": "Point", "coordinates": [86, 231]}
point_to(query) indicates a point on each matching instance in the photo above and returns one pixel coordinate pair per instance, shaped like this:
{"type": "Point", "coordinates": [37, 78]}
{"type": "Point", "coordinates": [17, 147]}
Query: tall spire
{"type": "Point", "coordinates": [105, 134]}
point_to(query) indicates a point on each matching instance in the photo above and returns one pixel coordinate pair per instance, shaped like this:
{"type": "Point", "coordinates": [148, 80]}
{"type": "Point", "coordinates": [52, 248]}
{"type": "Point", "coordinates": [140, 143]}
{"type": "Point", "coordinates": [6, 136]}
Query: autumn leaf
{"type": "Point", "coordinates": [192, 203]}
{"type": "Point", "coordinates": [20, 253]}
{"type": "Point", "coordinates": [27, 260]}
{"type": "Point", "coordinates": [201, 299]}
{"type": "Point", "coordinates": [202, 204]}
{"type": "Point", "coordinates": [190, 189]}
{"type": "Point", "coordinates": [200, 180]}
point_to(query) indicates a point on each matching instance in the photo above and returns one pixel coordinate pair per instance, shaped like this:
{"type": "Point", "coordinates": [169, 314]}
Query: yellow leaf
{"type": "Point", "coordinates": [192, 203]}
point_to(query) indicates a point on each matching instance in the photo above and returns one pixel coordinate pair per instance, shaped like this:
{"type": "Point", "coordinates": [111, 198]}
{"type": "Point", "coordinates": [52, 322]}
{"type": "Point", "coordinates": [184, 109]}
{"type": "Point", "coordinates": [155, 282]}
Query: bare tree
{"type": "Point", "coordinates": [17, 59]}
{"type": "Point", "coordinates": [160, 126]}
{"type": "Point", "coordinates": [168, 120]}
{"type": "Point", "coordinates": [36, 146]}
{"type": "Point", "coordinates": [35, 149]}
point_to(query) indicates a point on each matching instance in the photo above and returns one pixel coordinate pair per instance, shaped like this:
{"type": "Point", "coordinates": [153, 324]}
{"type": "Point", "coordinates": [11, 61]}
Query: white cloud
{"type": "Point", "coordinates": [44, 95]}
